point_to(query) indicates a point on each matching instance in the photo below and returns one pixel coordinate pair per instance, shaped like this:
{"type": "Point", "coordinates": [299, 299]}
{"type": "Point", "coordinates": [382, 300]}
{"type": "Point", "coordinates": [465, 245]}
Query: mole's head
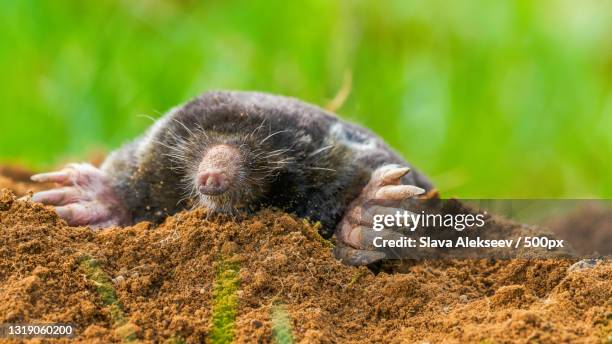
{"type": "Point", "coordinates": [226, 172]}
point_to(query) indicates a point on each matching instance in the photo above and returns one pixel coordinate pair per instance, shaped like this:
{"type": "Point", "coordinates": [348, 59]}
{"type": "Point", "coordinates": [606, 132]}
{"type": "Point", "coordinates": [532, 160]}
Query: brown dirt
{"type": "Point", "coordinates": [18, 180]}
{"type": "Point", "coordinates": [165, 275]}
{"type": "Point", "coordinates": [588, 228]}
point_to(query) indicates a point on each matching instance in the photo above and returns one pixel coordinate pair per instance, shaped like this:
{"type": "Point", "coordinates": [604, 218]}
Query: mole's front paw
{"type": "Point", "coordinates": [355, 233]}
{"type": "Point", "coordinates": [86, 197]}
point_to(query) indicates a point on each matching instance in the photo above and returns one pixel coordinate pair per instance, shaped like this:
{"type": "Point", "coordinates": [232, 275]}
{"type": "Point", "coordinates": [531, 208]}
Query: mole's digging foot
{"type": "Point", "coordinates": [355, 232]}
{"type": "Point", "coordinates": [86, 197]}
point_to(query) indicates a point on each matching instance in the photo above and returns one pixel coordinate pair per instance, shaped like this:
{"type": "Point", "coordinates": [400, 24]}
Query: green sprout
{"type": "Point", "coordinates": [225, 302]}
{"type": "Point", "coordinates": [281, 325]}
{"type": "Point", "coordinates": [108, 295]}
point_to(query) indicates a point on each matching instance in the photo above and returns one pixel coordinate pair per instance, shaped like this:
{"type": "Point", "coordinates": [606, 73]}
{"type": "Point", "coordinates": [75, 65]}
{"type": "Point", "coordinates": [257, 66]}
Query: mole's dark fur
{"type": "Point", "coordinates": [294, 156]}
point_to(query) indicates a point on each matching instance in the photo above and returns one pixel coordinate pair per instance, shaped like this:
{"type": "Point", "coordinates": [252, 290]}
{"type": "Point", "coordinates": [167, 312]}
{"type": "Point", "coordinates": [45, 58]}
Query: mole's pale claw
{"type": "Point", "coordinates": [61, 177]}
{"type": "Point", "coordinates": [352, 235]}
{"type": "Point", "coordinates": [351, 256]}
{"type": "Point", "coordinates": [60, 196]}
{"type": "Point", "coordinates": [74, 214]}
{"type": "Point", "coordinates": [398, 192]}
{"type": "Point", "coordinates": [356, 229]}
{"type": "Point", "coordinates": [80, 214]}
{"type": "Point", "coordinates": [363, 237]}
{"type": "Point", "coordinates": [87, 197]}
{"type": "Point", "coordinates": [367, 216]}
{"type": "Point", "coordinates": [393, 175]}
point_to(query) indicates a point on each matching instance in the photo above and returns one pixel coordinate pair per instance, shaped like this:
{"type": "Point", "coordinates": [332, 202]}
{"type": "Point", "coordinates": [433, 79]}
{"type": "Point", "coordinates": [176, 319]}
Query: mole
{"type": "Point", "coordinates": [233, 152]}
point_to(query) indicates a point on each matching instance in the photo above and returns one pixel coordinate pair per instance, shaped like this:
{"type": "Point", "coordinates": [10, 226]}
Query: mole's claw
{"type": "Point", "coordinates": [61, 177]}
{"type": "Point", "coordinates": [364, 237]}
{"type": "Point", "coordinates": [75, 214]}
{"type": "Point", "coordinates": [367, 216]}
{"type": "Point", "coordinates": [398, 192]}
{"type": "Point", "coordinates": [60, 196]}
{"type": "Point", "coordinates": [87, 198]}
{"type": "Point", "coordinates": [354, 257]}
{"type": "Point", "coordinates": [356, 229]}
{"type": "Point", "coordinates": [80, 214]}
{"type": "Point", "coordinates": [352, 235]}
{"type": "Point", "coordinates": [393, 175]}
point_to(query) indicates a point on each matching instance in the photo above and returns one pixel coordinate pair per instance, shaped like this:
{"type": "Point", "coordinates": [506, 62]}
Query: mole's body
{"type": "Point", "coordinates": [230, 151]}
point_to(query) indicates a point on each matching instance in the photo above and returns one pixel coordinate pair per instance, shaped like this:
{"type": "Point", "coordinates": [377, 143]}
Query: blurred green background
{"type": "Point", "coordinates": [489, 98]}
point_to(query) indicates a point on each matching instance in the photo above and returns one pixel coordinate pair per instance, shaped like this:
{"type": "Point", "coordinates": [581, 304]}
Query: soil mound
{"type": "Point", "coordinates": [271, 278]}
{"type": "Point", "coordinates": [588, 228]}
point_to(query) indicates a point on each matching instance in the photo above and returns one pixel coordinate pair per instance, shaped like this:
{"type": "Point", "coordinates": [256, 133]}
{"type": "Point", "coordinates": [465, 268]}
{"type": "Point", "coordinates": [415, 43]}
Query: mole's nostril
{"type": "Point", "coordinates": [213, 182]}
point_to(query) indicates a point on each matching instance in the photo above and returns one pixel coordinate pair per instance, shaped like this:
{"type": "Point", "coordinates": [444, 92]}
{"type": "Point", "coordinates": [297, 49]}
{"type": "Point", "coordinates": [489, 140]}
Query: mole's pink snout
{"type": "Point", "coordinates": [213, 182]}
{"type": "Point", "coordinates": [218, 169]}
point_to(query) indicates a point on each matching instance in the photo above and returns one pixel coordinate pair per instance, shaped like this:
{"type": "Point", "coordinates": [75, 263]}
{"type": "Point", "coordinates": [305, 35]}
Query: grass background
{"type": "Point", "coordinates": [489, 98]}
